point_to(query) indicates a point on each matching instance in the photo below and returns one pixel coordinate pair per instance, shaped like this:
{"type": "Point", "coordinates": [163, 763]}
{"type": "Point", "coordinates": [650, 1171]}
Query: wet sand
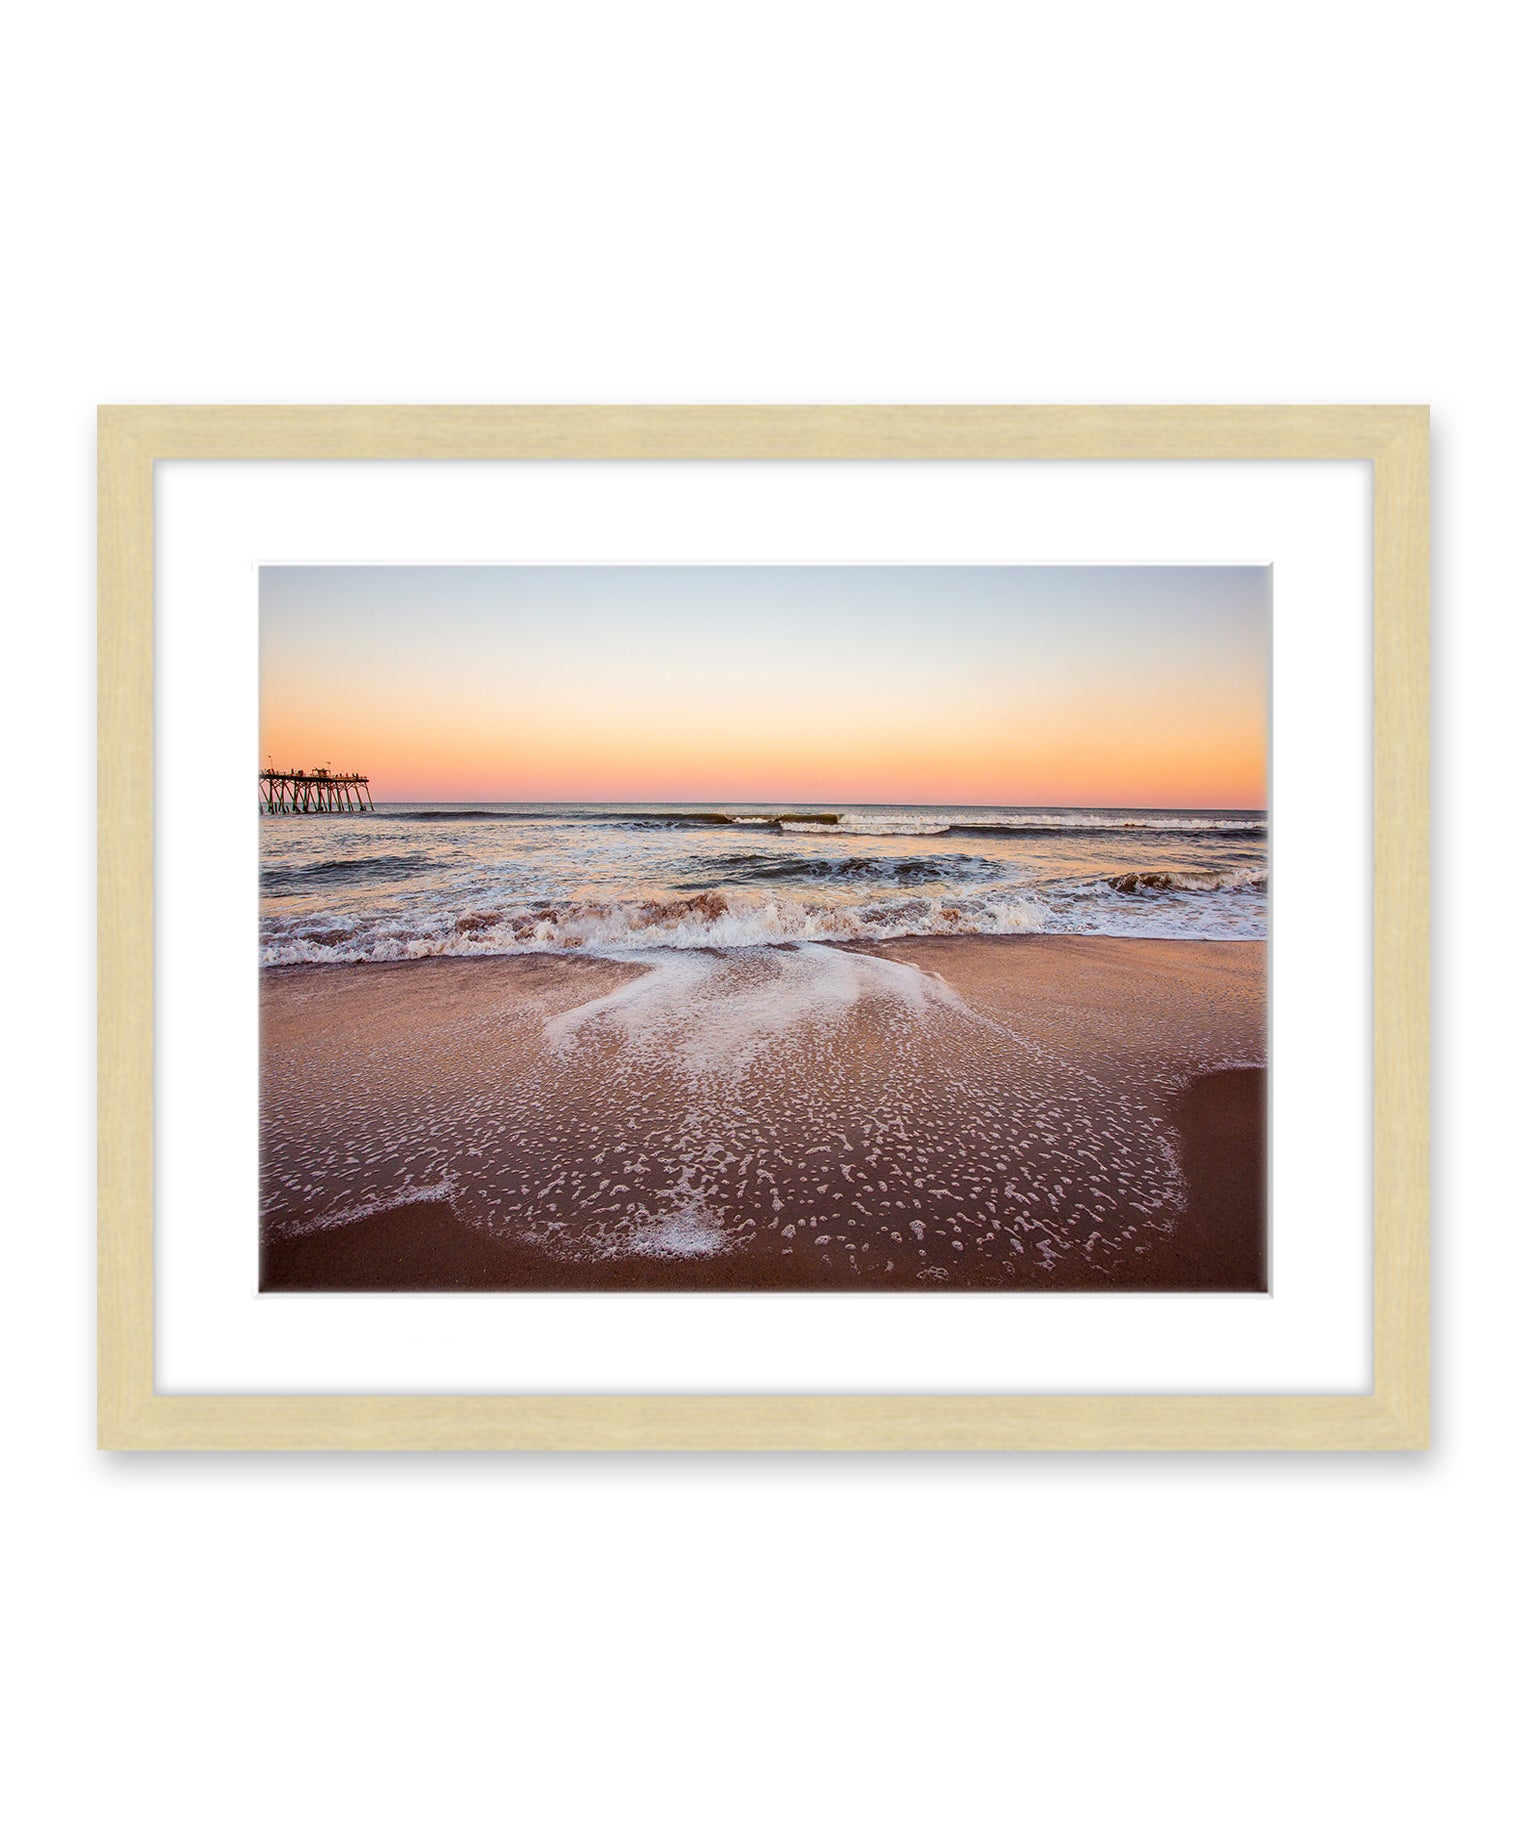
{"type": "Point", "coordinates": [951, 1113]}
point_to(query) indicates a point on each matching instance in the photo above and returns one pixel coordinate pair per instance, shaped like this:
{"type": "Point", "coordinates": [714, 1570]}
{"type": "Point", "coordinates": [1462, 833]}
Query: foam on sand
{"type": "Point", "coordinates": [715, 1012]}
{"type": "Point", "coordinates": [943, 1113]}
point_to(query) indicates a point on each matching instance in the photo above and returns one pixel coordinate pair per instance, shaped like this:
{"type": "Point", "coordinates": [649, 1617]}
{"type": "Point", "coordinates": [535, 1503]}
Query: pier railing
{"type": "Point", "coordinates": [314, 791]}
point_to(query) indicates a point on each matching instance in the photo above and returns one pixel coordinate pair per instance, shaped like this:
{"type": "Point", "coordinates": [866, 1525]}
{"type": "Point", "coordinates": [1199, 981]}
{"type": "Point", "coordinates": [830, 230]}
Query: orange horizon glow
{"type": "Point", "coordinates": [975, 686]}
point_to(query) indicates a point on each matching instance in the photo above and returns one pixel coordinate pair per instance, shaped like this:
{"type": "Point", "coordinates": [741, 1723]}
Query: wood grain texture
{"type": "Point", "coordinates": [763, 1422]}
{"type": "Point", "coordinates": [1396, 439]}
{"type": "Point", "coordinates": [744, 432]}
{"type": "Point", "coordinates": [1402, 924]}
{"type": "Point", "coordinates": [125, 929]}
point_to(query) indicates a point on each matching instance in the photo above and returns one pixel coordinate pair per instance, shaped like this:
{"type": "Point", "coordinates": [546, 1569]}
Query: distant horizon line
{"type": "Point", "coordinates": [754, 801]}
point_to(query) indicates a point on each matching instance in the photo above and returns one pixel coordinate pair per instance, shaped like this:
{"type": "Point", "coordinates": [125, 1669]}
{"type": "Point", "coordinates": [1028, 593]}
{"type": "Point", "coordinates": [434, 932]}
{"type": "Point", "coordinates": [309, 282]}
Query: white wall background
{"type": "Point", "coordinates": [789, 202]}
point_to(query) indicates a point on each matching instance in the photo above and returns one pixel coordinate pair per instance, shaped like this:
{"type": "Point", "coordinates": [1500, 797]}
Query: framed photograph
{"type": "Point", "coordinates": [750, 927]}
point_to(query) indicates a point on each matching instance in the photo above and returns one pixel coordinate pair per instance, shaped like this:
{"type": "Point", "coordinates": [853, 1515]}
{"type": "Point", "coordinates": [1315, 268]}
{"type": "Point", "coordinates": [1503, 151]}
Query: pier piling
{"type": "Point", "coordinates": [313, 791]}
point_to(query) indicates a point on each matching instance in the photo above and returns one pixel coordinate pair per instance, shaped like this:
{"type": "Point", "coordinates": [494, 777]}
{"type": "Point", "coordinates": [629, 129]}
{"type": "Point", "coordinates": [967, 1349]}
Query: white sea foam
{"type": "Point", "coordinates": [692, 1230]}
{"type": "Point", "coordinates": [440, 1193]}
{"type": "Point", "coordinates": [705, 1012]}
{"type": "Point", "coordinates": [712, 920]}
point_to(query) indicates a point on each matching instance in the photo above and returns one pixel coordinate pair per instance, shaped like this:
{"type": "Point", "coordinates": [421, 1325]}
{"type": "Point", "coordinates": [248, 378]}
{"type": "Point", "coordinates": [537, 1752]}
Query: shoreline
{"type": "Point", "coordinates": [613, 952]}
{"type": "Point", "coordinates": [617, 952]}
{"type": "Point", "coordinates": [997, 1112]}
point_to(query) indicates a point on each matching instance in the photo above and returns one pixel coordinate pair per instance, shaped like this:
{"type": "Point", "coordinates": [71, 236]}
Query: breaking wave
{"type": "Point", "coordinates": [1148, 824]}
{"type": "Point", "coordinates": [707, 920]}
{"type": "Point", "coordinates": [1025, 826]}
{"type": "Point", "coordinates": [776, 822]}
{"type": "Point", "coordinates": [930, 825]}
{"type": "Point", "coordinates": [791, 868]}
{"type": "Point", "coordinates": [1153, 884]}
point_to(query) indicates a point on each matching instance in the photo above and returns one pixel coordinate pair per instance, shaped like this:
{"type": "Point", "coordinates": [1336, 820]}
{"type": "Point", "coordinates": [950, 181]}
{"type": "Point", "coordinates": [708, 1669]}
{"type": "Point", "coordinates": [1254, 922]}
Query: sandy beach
{"type": "Point", "coordinates": [925, 1113]}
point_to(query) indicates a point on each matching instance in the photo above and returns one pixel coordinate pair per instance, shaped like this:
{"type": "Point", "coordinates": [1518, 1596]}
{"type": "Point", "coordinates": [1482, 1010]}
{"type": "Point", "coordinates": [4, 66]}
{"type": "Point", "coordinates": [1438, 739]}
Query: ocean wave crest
{"type": "Point", "coordinates": [280, 879]}
{"type": "Point", "coordinates": [1026, 825]}
{"type": "Point", "coordinates": [793, 868]}
{"type": "Point", "coordinates": [921, 823]}
{"type": "Point", "coordinates": [711, 817]}
{"type": "Point", "coordinates": [450, 814]}
{"type": "Point", "coordinates": [1155, 884]}
{"type": "Point", "coordinates": [869, 828]}
{"type": "Point", "coordinates": [707, 920]}
{"type": "Point", "coordinates": [1057, 824]}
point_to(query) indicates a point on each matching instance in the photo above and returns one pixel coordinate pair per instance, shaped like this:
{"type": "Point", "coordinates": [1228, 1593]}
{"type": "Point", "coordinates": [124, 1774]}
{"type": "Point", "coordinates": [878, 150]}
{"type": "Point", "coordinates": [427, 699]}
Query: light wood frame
{"type": "Point", "coordinates": [1394, 1415]}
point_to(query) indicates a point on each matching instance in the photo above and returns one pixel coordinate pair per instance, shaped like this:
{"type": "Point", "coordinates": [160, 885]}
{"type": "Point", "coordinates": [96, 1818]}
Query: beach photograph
{"type": "Point", "coordinates": [784, 927]}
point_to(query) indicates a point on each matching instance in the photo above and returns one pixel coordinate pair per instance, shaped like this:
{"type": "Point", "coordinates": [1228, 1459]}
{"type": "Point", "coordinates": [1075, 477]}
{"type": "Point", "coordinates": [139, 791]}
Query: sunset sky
{"type": "Point", "coordinates": [1134, 686]}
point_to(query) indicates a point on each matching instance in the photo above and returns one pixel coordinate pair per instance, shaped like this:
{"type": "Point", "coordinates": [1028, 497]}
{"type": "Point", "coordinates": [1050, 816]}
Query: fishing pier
{"type": "Point", "coordinates": [314, 791]}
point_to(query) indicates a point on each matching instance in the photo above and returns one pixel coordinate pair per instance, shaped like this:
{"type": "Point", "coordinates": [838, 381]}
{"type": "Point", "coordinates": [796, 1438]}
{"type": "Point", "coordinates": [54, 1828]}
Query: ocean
{"type": "Point", "coordinates": [414, 880]}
